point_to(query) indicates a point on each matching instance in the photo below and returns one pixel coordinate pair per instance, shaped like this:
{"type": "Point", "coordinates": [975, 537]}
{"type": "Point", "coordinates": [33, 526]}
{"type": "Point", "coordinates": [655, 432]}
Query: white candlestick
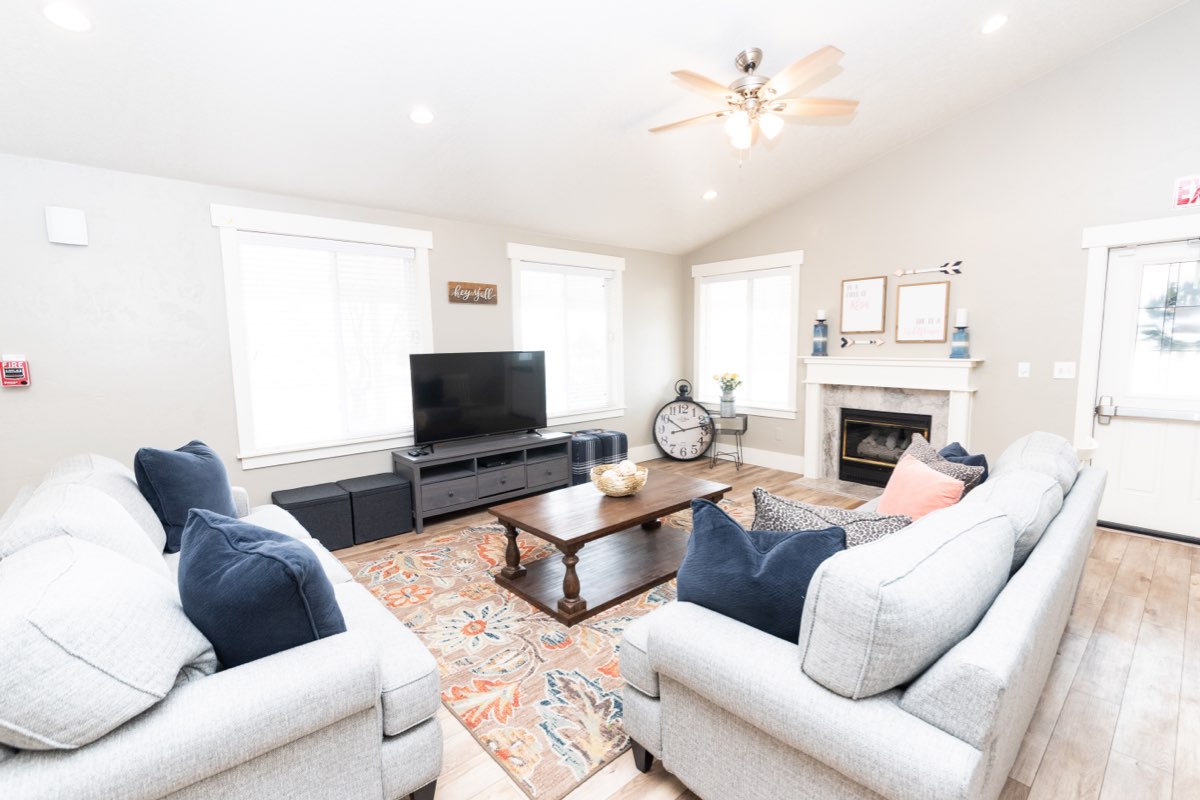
{"type": "Point", "coordinates": [960, 318]}
{"type": "Point", "coordinates": [821, 314]}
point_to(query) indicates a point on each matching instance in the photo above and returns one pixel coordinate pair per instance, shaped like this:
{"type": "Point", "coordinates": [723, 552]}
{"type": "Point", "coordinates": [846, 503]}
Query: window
{"type": "Point", "coordinates": [569, 305]}
{"type": "Point", "coordinates": [321, 327]}
{"type": "Point", "coordinates": [746, 322]}
{"type": "Point", "coordinates": [1166, 356]}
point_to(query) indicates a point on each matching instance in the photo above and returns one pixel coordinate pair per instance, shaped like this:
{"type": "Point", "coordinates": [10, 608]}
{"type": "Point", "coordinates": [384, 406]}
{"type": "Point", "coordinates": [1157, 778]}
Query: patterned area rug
{"type": "Point", "coordinates": [543, 699]}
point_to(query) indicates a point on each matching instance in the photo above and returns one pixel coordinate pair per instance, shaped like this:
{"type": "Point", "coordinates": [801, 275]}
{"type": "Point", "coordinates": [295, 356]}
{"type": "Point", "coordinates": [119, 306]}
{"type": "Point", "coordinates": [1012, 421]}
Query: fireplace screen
{"type": "Point", "coordinates": [873, 441]}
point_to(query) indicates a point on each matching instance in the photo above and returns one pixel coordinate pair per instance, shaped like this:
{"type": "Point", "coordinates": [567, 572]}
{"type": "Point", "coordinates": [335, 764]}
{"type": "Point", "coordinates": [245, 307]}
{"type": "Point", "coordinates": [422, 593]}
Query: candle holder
{"type": "Point", "coordinates": [820, 338]}
{"type": "Point", "coordinates": [960, 343]}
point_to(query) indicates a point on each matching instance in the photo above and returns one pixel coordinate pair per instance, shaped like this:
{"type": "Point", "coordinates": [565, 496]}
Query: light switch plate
{"type": "Point", "coordinates": [66, 225]}
{"type": "Point", "coordinates": [1022, 369]}
{"type": "Point", "coordinates": [1064, 370]}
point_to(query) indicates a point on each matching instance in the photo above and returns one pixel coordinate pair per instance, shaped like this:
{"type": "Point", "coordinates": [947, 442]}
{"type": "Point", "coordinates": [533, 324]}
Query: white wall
{"type": "Point", "coordinates": [127, 337]}
{"type": "Point", "coordinates": [1008, 189]}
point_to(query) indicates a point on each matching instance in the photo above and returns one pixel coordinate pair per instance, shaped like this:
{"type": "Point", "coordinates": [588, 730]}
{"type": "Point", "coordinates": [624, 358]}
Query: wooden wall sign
{"type": "Point", "coordinates": [473, 293]}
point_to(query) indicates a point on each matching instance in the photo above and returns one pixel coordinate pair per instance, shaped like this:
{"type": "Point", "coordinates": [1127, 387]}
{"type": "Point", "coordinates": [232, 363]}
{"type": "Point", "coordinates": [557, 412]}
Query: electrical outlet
{"type": "Point", "coordinates": [1064, 370]}
{"type": "Point", "coordinates": [1022, 369]}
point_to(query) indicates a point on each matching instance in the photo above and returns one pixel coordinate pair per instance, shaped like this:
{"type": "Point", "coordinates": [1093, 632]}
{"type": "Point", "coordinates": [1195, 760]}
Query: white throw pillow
{"type": "Point", "coordinates": [118, 482]}
{"type": "Point", "coordinates": [91, 640]}
{"type": "Point", "coordinates": [82, 512]}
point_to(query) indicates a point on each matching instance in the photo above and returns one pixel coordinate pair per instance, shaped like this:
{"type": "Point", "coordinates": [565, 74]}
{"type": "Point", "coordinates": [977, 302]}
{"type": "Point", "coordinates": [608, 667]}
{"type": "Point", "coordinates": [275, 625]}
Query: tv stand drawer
{"type": "Point", "coordinates": [547, 471]}
{"type": "Point", "coordinates": [498, 481]}
{"type": "Point", "coordinates": [448, 493]}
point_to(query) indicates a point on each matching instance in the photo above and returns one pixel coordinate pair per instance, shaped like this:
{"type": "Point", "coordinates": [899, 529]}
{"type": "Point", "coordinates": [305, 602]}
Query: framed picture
{"type": "Point", "coordinates": [921, 311]}
{"type": "Point", "coordinates": [863, 303]}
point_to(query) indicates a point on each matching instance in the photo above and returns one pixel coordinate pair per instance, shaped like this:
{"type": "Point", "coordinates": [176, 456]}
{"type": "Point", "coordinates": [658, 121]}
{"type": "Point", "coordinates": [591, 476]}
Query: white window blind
{"type": "Point", "coordinates": [746, 325]}
{"type": "Point", "coordinates": [573, 313]}
{"type": "Point", "coordinates": [327, 327]}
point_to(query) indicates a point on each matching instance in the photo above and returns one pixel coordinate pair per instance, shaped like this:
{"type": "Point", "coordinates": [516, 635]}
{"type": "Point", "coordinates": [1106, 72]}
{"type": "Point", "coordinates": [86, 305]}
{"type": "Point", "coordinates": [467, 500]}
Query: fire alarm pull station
{"type": "Point", "coordinates": [14, 371]}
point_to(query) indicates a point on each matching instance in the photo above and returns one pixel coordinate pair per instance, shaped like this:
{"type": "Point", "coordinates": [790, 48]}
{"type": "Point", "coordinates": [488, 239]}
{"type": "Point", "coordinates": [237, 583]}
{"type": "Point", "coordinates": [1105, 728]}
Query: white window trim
{"type": "Point", "coordinates": [519, 254]}
{"type": "Point", "coordinates": [230, 220]}
{"type": "Point", "coordinates": [791, 260]}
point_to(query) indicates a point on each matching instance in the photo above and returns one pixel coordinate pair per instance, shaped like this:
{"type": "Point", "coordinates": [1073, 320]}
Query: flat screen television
{"type": "Point", "coordinates": [460, 395]}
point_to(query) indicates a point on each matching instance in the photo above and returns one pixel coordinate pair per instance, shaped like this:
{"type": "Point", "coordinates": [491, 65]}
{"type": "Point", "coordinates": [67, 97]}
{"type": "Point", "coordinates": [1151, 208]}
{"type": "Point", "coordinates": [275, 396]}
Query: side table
{"type": "Point", "coordinates": [734, 426]}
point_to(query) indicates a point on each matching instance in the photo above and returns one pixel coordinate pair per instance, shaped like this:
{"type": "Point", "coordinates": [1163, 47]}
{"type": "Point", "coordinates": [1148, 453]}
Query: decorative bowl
{"type": "Point", "coordinates": [609, 479]}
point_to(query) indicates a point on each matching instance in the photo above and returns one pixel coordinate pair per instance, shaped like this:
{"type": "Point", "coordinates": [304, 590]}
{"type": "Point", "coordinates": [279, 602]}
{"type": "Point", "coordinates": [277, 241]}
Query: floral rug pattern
{"type": "Point", "coordinates": [542, 698]}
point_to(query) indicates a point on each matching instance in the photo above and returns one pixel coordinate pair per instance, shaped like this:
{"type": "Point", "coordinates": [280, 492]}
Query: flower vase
{"type": "Point", "coordinates": [727, 410]}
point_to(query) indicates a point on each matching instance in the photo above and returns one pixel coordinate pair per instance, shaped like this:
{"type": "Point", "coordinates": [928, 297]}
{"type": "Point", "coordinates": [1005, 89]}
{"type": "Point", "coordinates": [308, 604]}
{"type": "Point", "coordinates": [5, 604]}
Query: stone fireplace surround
{"type": "Point", "coordinates": [943, 388]}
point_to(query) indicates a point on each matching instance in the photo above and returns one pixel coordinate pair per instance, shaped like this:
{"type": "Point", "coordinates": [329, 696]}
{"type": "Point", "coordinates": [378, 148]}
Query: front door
{"type": "Point", "coordinates": [1147, 421]}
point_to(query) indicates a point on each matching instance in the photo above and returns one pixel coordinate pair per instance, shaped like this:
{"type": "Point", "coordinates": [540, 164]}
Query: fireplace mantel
{"type": "Point", "coordinates": [955, 376]}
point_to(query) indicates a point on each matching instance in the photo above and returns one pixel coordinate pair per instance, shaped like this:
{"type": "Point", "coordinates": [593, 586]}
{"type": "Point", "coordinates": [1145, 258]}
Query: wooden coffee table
{"type": "Point", "coordinates": [632, 551]}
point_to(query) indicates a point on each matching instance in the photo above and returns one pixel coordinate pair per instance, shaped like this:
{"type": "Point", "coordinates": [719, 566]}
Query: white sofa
{"type": "Point", "coordinates": [351, 715]}
{"type": "Point", "coordinates": [919, 661]}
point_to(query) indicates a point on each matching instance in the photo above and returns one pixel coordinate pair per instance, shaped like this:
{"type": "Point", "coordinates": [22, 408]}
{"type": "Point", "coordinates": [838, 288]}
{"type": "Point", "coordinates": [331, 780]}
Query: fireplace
{"type": "Point", "coordinates": [872, 442]}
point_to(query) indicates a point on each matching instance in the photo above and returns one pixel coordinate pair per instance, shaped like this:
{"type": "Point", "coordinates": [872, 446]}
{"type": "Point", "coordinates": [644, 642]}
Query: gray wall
{"type": "Point", "coordinates": [127, 337]}
{"type": "Point", "coordinates": [1009, 189]}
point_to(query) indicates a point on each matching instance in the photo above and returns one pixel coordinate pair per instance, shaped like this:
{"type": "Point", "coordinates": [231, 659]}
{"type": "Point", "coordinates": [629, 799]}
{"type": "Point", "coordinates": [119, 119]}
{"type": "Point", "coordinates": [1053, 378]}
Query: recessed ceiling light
{"type": "Point", "coordinates": [994, 23]}
{"type": "Point", "coordinates": [711, 194]}
{"type": "Point", "coordinates": [67, 17]}
{"type": "Point", "coordinates": [421, 115]}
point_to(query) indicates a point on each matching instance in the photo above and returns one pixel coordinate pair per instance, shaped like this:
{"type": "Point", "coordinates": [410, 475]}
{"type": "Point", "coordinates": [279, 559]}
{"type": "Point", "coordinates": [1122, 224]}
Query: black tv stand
{"type": "Point", "coordinates": [480, 472]}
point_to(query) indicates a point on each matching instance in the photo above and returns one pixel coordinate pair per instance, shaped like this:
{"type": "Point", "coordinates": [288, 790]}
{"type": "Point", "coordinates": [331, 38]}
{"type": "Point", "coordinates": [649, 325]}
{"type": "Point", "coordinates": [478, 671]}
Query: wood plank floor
{"type": "Point", "coordinates": [1119, 717]}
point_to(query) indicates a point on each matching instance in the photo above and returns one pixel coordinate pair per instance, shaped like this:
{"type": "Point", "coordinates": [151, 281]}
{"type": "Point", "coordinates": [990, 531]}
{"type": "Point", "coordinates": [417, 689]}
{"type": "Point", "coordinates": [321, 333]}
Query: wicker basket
{"type": "Point", "coordinates": [609, 480]}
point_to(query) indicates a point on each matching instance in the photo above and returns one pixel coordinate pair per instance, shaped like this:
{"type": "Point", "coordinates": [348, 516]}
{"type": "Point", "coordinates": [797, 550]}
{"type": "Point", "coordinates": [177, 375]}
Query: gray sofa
{"type": "Point", "coordinates": [919, 663]}
{"type": "Point", "coordinates": [351, 715]}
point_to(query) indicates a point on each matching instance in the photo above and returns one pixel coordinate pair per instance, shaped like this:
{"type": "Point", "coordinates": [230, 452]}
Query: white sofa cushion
{"type": "Point", "coordinates": [1042, 452]}
{"type": "Point", "coordinates": [10, 514]}
{"type": "Point", "coordinates": [90, 641]}
{"type": "Point", "coordinates": [276, 519]}
{"type": "Point", "coordinates": [82, 512]}
{"type": "Point", "coordinates": [635, 657]}
{"type": "Point", "coordinates": [117, 481]}
{"type": "Point", "coordinates": [411, 690]}
{"type": "Point", "coordinates": [1029, 499]}
{"type": "Point", "coordinates": [878, 615]}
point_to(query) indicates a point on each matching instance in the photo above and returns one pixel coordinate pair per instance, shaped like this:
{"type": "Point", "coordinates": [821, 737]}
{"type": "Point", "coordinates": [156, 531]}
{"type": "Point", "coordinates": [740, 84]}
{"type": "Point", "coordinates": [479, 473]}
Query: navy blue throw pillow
{"type": "Point", "coordinates": [759, 578]}
{"type": "Point", "coordinates": [252, 591]}
{"type": "Point", "coordinates": [958, 454]}
{"type": "Point", "coordinates": [176, 481]}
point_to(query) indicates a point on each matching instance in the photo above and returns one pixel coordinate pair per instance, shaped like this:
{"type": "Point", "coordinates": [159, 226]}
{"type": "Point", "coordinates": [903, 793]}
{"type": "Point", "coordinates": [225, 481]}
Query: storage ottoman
{"type": "Point", "coordinates": [323, 510]}
{"type": "Point", "coordinates": [381, 506]}
{"type": "Point", "coordinates": [593, 447]}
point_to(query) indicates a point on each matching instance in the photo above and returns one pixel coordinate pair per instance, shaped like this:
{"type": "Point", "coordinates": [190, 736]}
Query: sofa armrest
{"type": "Point", "coordinates": [757, 677]}
{"type": "Point", "coordinates": [241, 500]}
{"type": "Point", "coordinates": [210, 724]}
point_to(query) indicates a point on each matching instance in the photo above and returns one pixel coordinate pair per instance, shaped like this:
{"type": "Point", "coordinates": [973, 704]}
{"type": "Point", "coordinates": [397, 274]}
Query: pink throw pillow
{"type": "Point", "coordinates": [916, 489]}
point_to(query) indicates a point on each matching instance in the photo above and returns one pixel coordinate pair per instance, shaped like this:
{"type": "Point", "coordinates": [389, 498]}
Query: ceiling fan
{"type": "Point", "coordinates": [756, 103]}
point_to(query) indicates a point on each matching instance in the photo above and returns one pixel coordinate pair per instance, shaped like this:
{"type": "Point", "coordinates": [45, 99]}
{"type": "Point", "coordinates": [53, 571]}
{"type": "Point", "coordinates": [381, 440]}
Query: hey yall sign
{"type": "Point", "coordinates": [1187, 191]}
{"type": "Point", "coordinates": [473, 293]}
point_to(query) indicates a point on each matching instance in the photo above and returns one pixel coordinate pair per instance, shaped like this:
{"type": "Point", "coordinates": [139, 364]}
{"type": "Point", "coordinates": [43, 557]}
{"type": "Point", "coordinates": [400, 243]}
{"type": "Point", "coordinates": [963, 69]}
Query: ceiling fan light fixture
{"type": "Point", "coordinates": [770, 125]}
{"type": "Point", "coordinates": [67, 17]}
{"type": "Point", "coordinates": [737, 122]}
{"type": "Point", "coordinates": [993, 24]}
{"type": "Point", "coordinates": [741, 139]}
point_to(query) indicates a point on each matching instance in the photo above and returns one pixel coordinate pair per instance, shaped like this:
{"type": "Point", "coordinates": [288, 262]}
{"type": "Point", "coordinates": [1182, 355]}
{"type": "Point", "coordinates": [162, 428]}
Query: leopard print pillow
{"type": "Point", "coordinates": [927, 454]}
{"type": "Point", "coordinates": [772, 513]}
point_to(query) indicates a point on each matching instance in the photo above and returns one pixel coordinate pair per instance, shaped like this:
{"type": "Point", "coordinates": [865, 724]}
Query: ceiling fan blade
{"type": "Point", "coordinates": [800, 72]}
{"type": "Point", "coordinates": [691, 121]}
{"type": "Point", "coordinates": [706, 85]}
{"type": "Point", "coordinates": [815, 107]}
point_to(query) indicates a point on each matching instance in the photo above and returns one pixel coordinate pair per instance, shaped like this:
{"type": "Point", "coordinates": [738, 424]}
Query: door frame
{"type": "Point", "coordinates": [1098, 241]}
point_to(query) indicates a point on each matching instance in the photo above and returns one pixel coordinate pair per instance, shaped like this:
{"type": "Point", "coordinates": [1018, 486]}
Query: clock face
{"type": "Point", "coordinates": [683, 430]}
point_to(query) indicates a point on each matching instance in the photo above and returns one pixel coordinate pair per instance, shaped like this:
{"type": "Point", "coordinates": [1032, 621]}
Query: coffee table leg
{"type": "Point", "coordinates": [512, 555]}
{"type": "Point", "coordinates": [571, 602]}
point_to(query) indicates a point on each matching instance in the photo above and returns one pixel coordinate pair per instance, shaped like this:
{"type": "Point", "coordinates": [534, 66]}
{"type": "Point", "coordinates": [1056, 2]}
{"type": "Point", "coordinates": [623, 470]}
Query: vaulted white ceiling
{"type": "Point", "coordinates": [541, 107]}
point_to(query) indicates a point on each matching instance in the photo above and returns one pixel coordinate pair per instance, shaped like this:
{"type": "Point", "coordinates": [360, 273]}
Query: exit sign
{"type": "Point", "coordinates": [1187, 191]}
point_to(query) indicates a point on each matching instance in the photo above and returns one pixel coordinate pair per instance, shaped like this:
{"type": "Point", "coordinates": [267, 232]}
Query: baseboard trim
{"type": "Point", "coordinates": [752, 455]}
{"type": "Point", "coordinates": [772, 459]}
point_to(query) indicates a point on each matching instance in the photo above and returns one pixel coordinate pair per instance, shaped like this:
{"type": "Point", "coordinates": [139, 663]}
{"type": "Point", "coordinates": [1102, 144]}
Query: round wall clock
{"type": "Point", "coordinates": [683, 429]}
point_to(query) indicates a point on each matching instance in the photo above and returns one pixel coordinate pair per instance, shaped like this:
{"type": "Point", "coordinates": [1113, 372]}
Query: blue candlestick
{"type": "Point", "coordinates": [960, 343]}
{"type": "Point", "coordinates": [820, 338]}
